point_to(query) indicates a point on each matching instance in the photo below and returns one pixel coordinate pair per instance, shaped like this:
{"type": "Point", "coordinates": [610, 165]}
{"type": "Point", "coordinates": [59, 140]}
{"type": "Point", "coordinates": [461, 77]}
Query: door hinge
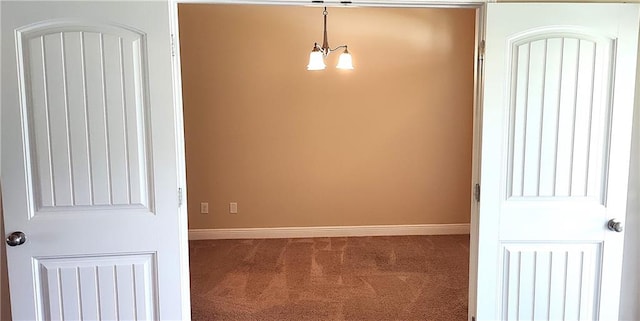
{"type": "Point", "coordinates": [173, 46]}
{"type": "Point", "coordinates": [476, 192]}
{"type": "Point", "coordinates": [481, 50]}
{"type": "Point", "coordinates": [180, 193]}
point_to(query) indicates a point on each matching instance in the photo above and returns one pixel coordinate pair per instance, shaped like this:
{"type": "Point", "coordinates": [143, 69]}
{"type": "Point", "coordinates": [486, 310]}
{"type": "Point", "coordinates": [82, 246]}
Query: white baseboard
{"type": "Point", "coordinates": [327, 231]}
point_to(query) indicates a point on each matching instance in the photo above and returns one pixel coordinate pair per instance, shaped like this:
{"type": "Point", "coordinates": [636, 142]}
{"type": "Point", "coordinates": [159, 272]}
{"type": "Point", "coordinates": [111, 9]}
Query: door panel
{"type": "Point", "coordinates": [89, 156]}
{"type": "Point", "coordinates": [86, 87]}
{"type": "Point", "coordinates": [95, 288]}
{"type": "Point", "coordinates": [550, 281]}
{"type": "Point", "coordinates": [558, 100]}
{"type": "Point", "coordinates": [561, 99]}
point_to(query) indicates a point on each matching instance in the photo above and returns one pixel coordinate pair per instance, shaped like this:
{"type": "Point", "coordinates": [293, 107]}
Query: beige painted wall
{"type": "Point", "coordinates": [386, 143]}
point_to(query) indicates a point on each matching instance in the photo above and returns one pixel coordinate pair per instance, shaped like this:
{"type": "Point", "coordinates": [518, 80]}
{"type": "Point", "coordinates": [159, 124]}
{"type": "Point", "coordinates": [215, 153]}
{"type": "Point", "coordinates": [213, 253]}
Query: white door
{"type": "Point", "coordinates": [89, 162]}
{"type": "Point", "coordinates": [557, 111]}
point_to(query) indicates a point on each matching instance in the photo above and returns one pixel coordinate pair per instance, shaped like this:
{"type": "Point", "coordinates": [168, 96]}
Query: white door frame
{"type": "Point", "coordinates": [479, 5]}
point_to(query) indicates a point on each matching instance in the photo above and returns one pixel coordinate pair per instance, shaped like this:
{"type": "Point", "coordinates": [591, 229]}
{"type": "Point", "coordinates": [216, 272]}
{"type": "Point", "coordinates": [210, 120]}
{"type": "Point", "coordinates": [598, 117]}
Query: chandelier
{"type": "Point", "coordinates": [319, 53]}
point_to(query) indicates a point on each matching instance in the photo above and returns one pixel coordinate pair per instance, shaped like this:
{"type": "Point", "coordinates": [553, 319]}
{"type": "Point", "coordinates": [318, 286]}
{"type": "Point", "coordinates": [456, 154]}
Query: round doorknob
{"type": "Point", "coordinates": [614, 225]}
{"type": "Point", "coordinates": [16, 238]}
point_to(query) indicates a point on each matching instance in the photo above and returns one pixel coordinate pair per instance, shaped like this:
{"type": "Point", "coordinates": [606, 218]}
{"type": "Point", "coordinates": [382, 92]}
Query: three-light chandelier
{"type": "Point", "coordinates": [319, 53]}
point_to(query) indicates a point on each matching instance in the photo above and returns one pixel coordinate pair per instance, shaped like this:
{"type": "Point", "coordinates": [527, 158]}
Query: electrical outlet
{"type": "Point", "coordinates": [204, 208]}
{"type": "Point", "coordinates": [233, 208]}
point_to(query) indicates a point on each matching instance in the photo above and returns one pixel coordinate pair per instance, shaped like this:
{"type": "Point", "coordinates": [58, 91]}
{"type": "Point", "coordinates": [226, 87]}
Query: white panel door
{"type": "Point", "coordinates": [557, 111]}
{"type": "Point", "coordinates": [89, 160]}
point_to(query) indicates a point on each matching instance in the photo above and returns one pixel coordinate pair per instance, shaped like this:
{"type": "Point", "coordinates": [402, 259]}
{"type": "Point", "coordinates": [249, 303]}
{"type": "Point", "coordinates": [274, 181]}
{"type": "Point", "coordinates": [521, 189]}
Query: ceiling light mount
{"type": "Point", "coordinates": [319, 53]}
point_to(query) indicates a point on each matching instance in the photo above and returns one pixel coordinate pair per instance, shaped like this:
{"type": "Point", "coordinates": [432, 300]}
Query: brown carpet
{"type": "Point", "coordinates": [357, 278]}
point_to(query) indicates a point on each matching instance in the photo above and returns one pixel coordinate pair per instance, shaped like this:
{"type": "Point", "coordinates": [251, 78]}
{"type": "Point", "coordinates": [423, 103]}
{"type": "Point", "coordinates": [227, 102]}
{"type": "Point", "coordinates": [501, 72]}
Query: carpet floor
{"type": "Point", "coordinates": [406, 278]}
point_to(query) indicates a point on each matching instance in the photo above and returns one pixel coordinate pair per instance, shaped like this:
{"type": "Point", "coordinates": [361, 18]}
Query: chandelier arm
{"type": "Point", "coordinates": [338, 47]}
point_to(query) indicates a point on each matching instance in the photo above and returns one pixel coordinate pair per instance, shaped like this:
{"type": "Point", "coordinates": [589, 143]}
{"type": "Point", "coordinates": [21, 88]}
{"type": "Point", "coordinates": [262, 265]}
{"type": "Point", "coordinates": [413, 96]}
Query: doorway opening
{"type": "Point", "coordinates": [387, 144]}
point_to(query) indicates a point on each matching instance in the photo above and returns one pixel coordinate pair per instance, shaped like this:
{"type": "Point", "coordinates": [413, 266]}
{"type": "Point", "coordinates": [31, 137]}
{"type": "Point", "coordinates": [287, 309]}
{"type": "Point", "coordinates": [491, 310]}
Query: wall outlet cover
{"type": "Point", "coordinates": [233, 208]}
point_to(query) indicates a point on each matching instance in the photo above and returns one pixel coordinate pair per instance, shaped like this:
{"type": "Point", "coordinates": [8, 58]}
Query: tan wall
{"type": "Point", "coordinates": [386, 143]}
